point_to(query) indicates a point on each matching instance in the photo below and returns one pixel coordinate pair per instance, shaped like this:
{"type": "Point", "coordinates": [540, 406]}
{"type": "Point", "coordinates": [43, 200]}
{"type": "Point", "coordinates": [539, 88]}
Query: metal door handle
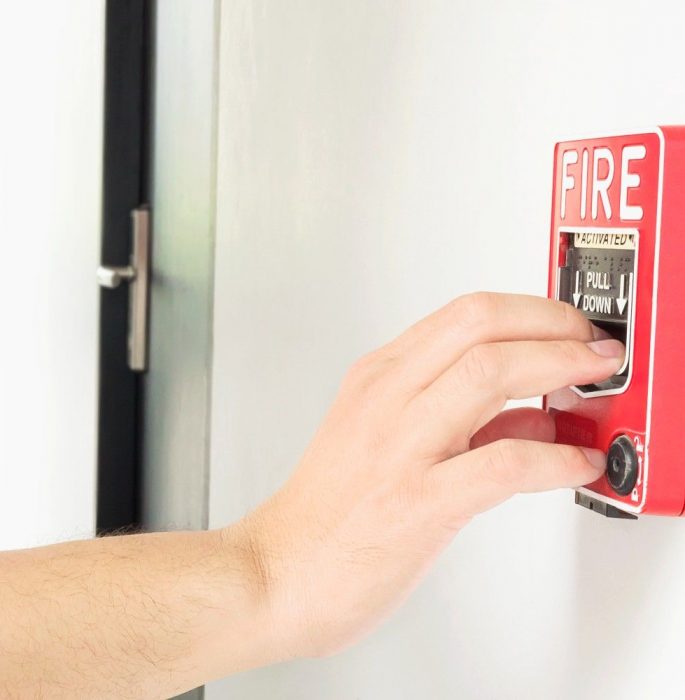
{"type": "Point", "coordinates": [112, 277]}
{"type": "Point", "coordinates": [137, 274]}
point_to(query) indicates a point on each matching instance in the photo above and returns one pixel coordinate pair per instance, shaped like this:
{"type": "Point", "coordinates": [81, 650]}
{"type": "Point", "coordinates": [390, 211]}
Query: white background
{"type": "Point", "coordinates": [51, 76]}
{"type": "Point", "coordinates": [375, 160]}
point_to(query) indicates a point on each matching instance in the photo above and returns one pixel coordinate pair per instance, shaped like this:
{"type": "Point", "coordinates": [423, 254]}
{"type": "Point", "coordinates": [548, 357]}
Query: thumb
{"type": "Point", "coordinates": [480, 479]}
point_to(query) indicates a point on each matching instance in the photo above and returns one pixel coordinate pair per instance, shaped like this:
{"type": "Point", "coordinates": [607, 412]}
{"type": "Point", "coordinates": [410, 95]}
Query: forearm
{"type": "Point", "coordinates": [136, 616]}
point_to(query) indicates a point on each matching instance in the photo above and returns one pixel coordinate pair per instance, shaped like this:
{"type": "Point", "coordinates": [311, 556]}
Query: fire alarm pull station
{"type": "Point", "coordinates": [618, 255]}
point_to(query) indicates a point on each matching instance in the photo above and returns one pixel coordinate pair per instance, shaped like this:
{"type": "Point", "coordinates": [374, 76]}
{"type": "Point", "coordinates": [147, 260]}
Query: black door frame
{"type": "Point", "coordinates": [127, 111]}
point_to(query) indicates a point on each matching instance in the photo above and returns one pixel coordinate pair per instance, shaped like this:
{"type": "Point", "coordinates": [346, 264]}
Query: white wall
{"type": "Point", "coordinates": [51, 73]}
{"type": "Point", "coordinates": [375, 160]}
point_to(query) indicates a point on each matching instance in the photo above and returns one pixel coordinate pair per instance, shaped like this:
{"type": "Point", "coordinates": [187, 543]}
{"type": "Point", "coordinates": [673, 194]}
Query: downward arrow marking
{"type": "Point", "coordinates": [622, 301]}
{"type": "Point", "coordinates": [577, 295]}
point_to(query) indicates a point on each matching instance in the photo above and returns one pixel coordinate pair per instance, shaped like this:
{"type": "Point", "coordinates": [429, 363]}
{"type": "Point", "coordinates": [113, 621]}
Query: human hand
{"type": "Point", "coordinates": [415, 445]}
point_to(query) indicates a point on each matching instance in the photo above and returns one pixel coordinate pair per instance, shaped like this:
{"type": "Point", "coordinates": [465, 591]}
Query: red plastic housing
{"type": "Point", "coordinates": [640, 187]}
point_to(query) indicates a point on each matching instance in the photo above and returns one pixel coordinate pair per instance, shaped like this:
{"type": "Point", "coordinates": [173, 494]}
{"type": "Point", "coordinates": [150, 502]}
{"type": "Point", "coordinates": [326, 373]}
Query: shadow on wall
{"type": "Point", "coordinates": [630, 576]}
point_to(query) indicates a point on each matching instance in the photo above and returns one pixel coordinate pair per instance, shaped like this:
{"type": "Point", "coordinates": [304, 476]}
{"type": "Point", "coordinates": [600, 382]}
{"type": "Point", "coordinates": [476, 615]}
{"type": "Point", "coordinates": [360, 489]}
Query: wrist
{"type": "Point", "coordinates": [245, 619]}
{"type": "Point", "coordinates": [270, 546]}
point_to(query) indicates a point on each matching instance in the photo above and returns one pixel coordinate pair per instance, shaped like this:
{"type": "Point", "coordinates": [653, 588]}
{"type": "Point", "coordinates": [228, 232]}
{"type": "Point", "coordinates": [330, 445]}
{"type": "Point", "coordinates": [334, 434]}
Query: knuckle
{"type": "Point", "coordinates": [507, 464]}
{"type": "Point", "coordinates": [574, 320]}
{"type": "Point", "coordinates": [365, 369]}
{"type": "Point", "coordinates": [477, 308]}
{"type": "Point", "coordinates": [571, 459]}
{"type": "Point", "coordinates": [481, 365]}
{"type": "Point", "coordinates": [569, 352]}
{"type": "Point", "coordinates": [368, 380]}
{"type": "Point", "coordinates": [568, 314]}
{"type": "Point", "coordinates": [363, 364]}
{"type": "Point", "coordinates": [359, 377]}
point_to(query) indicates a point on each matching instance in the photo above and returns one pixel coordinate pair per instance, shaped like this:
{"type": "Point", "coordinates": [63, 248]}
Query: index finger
{"type": "Point", "coordinates": [431, 346]}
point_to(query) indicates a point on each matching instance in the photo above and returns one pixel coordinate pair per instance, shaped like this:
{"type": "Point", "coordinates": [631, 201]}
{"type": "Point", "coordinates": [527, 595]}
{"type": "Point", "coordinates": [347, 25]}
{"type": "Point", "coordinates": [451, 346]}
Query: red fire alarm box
{"type": "Point", "coordinates": [618, 255]}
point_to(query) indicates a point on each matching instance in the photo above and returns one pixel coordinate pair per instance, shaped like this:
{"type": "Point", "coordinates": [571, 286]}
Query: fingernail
{"type": "Point", "coordinates": [608, 348]}
{"type": "Point", "coordinates": [596, 457]}
{"type": "Point", "coordinates": [599, 333]}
